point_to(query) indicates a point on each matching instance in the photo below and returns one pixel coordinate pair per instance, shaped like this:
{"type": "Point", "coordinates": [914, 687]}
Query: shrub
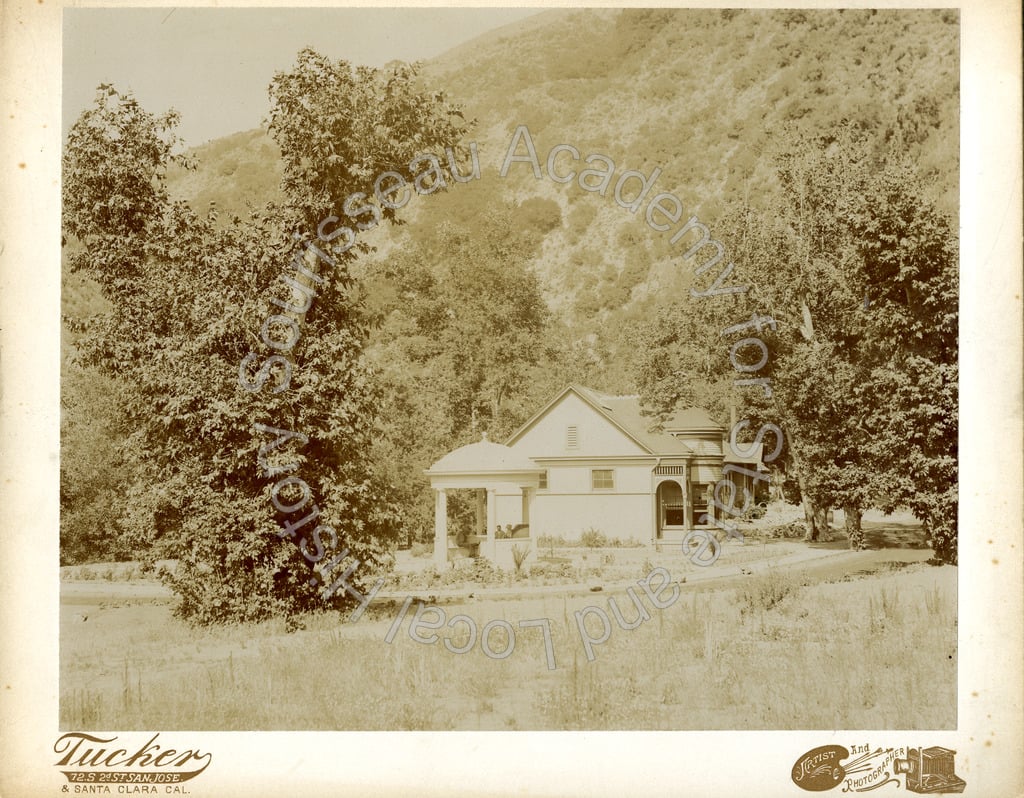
{"type": "Point", "coordinates": [794, 529]}
{"type": "Point", "coordinates": [486, 572]}
{"type": "Point", "coordinates": [519, 556]}
{"type": "Point", "coordinates": [540, 569]}
{"type": "Point", "coordinates": [453, 576]}
{"type": "Point", "coordinates": [934, 602]}
{"type": "Point", "coordinates": [766, 591]}
{"type": "Point", "coordinates": [540, 215]}
{"type": "Point", "coordinates": [566, 570]}
{"type": "Point", "coordinates": [593, 538]}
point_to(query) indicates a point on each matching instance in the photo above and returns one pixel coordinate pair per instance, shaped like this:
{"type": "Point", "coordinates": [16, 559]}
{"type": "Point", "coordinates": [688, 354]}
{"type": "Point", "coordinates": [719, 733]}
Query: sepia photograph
{"type": "Point", "coordinates": [479, 370]}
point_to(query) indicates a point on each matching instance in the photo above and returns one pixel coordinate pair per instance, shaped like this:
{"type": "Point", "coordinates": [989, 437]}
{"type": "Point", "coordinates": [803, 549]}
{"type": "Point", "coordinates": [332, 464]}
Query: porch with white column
{"type": "Point", "coordinates": [440, 528]}
{"type": "Point", "coordinates": [487, 469]}
{"type": "Point", "coordinates": [492, 520]}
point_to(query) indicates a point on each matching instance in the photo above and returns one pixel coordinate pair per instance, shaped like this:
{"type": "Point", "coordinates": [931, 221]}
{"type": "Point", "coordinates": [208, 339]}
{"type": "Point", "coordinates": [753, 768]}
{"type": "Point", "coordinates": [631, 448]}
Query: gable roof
{"type": "Point", "coordinates": [732, 456]}
{"type": "Point", "coordinates": [693, 419]}
{"type": "Point", "coordinates": [623, 412]}
{"type": "Point", "coordinates": [627, 413]}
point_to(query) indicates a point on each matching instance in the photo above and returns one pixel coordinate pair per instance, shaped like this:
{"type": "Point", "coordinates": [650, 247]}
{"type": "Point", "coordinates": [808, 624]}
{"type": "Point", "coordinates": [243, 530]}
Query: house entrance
{"type": "Point", "coordinates": [671, 508]}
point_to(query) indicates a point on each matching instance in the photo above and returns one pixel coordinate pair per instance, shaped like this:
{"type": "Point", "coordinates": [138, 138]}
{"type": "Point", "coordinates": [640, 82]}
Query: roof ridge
{"type": "Point", "coordinates": [605, 394]}
{"type": "Point", "coordinates": [628, 417]}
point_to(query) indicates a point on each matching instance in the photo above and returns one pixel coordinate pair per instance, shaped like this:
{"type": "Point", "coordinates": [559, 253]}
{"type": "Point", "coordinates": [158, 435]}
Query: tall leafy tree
{"type": "Point", "coordinates": [189, 339]}
{"type": "Point", "coordinates": [798, 254]}
{"type": "Point", "coordinates": [857, 271]}
{"type": "Point", "coordinates": [908, 255]}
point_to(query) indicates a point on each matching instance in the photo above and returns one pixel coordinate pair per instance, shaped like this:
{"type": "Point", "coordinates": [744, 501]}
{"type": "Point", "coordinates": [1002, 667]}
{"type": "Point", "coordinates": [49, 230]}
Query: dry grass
{"type": "Point", "coordinates": [775, 653]}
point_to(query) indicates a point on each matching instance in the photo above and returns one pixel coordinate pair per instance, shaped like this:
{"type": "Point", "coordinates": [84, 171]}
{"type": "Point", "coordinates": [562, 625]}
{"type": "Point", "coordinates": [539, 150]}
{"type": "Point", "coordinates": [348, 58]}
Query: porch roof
{"type": "Point", "coordinates": [484, 457]}
{"type": "Point", "coordinates": [733, 456]}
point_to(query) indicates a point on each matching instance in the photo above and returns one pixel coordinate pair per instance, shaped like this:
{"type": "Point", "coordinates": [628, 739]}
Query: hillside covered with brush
{"type": "Point", "coordinates": [706, 96]}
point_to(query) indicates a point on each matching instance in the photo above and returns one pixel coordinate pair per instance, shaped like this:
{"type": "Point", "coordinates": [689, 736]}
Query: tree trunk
{"type": "Point", "coordinates": [853, 530]}
{"type": "Point", "coordinates": [809, 518]}
{"type": "Point", "coordinates": [815, 516]}
{"type": "Point", "coordinates": [822, 530]}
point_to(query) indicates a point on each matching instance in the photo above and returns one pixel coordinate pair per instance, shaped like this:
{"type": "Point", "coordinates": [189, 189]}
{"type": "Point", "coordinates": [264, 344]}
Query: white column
{"type": "Point", "coordinates": [654, 508]}
{"type": "Point", "coordinates": [441, 529]}
{"type": "Point", "coordinates": [528, 494]}
{"type": "Point", "coordinates": [712, 510]}
{"type": "Point", "coordinates": [491, 521]}
{"type": "Point", "coordinates": [687, 502]}
{"type": "Point", "coordinates": [481, 511]}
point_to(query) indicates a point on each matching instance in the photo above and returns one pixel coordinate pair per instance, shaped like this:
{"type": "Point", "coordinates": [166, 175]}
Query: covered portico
{"type": "Point", "coordinates": [493, 471]}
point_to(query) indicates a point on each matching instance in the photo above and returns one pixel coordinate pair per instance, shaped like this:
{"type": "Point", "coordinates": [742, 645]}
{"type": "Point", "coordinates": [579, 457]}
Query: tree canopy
{"type": "Point", "coordinates": [192, 301]}
{"type": "Point", "coordinates": [857, 272]}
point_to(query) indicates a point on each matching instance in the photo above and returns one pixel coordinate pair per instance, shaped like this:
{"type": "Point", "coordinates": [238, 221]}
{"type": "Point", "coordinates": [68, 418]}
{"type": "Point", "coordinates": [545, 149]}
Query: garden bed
{"type": "Point", "coordinates": [575, 565]}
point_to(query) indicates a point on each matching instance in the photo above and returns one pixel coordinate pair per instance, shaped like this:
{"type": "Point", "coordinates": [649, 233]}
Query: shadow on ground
{"type": "Point", "coordinates": [888, 535]}
{"type": "Point", "coordinates": [880, 535]}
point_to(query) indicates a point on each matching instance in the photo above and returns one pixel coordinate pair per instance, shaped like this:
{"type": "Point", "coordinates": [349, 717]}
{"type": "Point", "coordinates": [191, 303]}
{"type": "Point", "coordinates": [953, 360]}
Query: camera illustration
{"type": "Point", "coordinates": [930, 770]}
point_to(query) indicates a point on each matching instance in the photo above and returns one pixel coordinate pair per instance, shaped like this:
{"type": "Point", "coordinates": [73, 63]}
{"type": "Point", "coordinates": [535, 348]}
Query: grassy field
{"type": "Point", "coordinates": [862, 640]}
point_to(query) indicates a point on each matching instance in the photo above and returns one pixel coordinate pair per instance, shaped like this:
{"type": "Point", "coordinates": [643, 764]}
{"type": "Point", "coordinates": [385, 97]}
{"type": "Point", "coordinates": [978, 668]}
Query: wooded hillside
{"type": "Point", "coordinates": [705, 95]}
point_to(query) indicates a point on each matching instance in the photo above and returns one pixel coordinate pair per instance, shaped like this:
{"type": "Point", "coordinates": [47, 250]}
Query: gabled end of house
{"type": "Point", "coordinates": [588, 460]}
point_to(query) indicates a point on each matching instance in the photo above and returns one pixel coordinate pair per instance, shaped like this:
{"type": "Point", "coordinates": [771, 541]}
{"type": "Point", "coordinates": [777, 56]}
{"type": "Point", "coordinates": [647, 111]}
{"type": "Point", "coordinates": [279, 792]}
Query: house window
{"type": "Point", "coordinates": [602, 479]}
{"type": "Point", "coordinates": [675, 516]}
{"type": "Point", "coordinates": [543, 482]}
{"type": "Point", "coordinates": [572, 437]}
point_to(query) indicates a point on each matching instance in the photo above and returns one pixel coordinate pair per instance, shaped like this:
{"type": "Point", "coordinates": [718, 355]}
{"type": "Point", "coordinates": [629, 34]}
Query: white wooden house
{"type": "Point", "coordinates": [587, 461]}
